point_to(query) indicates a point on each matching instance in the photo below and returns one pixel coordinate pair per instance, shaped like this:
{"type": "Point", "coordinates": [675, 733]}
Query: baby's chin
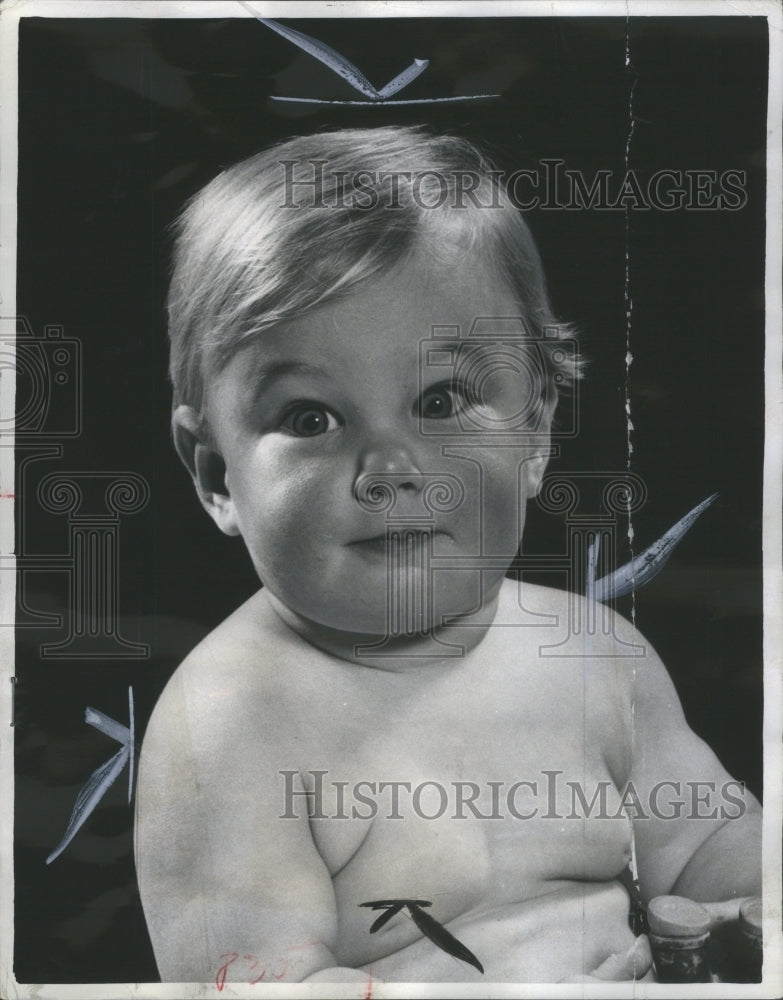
{"type": "Point", "coordinates": [365, 623]}
{"type": "Point", "coordinates": [369, 615]}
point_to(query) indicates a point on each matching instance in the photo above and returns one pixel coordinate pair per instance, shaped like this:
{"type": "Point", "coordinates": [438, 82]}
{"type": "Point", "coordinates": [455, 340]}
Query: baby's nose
{"type": "Point", "coordinates": [409, 496]}
{"type": "Point", "coordinates": [391, 479]}
{"type": "Point", "coordinates": [402, 492]}
{"type": "Point", "coordinates": [393, 461]}
{"type": "Point", "coordinates": [388, 479]}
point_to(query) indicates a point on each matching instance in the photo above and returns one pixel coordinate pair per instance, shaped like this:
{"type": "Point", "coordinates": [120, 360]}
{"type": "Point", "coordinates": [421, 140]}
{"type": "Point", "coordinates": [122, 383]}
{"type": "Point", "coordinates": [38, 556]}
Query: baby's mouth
{"type": "Point", "coordinates": [399, 539]}
{"type": "Point", "coordinates": [376, 544]}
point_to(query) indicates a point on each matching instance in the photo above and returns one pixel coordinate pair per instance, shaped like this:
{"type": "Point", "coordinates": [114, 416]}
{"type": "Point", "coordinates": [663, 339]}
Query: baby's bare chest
{"type": "Point", "coordinates": [468, 800]}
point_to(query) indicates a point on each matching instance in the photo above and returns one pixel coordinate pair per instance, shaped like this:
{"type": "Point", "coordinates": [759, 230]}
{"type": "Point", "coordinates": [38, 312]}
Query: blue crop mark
{"type": "Point", "coordinates": [646, 565]}
{"type": "Point", "coordinates": [103, 777]}
{"type": "Point", "coordinates": [352, 74]}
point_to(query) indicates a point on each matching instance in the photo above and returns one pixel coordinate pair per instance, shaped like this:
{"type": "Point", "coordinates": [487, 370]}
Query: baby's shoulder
{"type": "Point", "coordinates": [553, 614]}
{"type": "Point", "coordinates": [551, 627]}
{"type": "Point", "coordinates": [238, 679]}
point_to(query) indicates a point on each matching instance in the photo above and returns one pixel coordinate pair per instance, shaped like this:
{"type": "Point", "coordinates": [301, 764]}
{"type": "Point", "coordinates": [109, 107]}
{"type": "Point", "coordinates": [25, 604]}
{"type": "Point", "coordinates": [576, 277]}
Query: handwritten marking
{"type": "Point", "coordinates": [253, 961]}
{"type": "Point", "coordinates": [220, 978]}
{"type": "Point", "coordinates": [253, 964]}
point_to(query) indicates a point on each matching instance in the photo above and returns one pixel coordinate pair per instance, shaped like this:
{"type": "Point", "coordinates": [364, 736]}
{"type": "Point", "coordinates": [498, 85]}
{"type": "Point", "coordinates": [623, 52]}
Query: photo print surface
{"type": "Point", "coordinates": [391, 498]}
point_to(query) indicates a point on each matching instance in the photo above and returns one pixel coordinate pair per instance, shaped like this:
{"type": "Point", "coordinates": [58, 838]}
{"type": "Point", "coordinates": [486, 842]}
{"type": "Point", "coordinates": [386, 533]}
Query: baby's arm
{"type": "Point", "coordinates": [711, 851]}
{"type": "Point", "coordinates": [230, 890]}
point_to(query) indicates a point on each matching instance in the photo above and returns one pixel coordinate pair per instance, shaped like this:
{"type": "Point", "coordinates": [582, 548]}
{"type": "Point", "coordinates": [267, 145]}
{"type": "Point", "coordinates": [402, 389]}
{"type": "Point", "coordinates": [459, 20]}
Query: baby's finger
{"type": "Point", "coordinates": [723, 912]}
{"type": "Point", "coordinates": [624, 966]}
{"type": "Point", "coordinates": [630, 964]}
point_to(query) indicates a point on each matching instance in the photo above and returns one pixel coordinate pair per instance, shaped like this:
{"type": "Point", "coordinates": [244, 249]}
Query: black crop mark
{"type": "Point", "coordinates": [427, 924]}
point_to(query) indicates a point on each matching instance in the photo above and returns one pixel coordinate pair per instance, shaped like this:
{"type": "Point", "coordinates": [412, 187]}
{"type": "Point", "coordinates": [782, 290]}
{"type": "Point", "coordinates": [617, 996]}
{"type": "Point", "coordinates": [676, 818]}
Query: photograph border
{"type": "Point", "coordinates": [10, 17]}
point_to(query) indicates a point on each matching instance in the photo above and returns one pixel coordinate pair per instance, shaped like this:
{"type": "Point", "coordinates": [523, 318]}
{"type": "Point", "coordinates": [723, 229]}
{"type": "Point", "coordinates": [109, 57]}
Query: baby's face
{"type": "Point", "coordinates": [313, 413]}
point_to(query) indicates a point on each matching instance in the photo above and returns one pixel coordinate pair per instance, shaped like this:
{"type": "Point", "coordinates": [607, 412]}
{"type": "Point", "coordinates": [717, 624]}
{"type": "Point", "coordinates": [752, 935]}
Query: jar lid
{"type": "Point", "coordinates": [675, 916]}
{"type": "Point", "coordinates": [751, 916]}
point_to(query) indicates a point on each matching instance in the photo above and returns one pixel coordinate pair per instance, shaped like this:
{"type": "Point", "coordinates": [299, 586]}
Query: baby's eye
{"type": "Point", "coordinates": [309, 420]}
{"type": "Point", "coordinates": [442, 401]}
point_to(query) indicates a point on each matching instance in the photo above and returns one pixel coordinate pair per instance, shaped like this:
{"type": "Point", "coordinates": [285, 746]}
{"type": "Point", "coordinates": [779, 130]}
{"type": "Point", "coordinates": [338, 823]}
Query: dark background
{"type": "Point", "coordinates": [121, 120]}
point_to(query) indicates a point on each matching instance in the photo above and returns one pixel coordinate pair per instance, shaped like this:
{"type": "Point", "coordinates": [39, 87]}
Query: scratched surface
{"type": "Point", "coordinates": [121, 121]}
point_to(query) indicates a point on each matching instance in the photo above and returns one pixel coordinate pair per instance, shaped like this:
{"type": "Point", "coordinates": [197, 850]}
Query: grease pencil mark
{"type": "Point", "coordinates": [427, 924]}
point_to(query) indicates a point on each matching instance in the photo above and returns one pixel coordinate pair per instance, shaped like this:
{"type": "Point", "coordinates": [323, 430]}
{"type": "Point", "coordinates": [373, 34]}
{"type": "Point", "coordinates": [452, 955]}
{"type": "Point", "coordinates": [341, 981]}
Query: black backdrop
{"type": "Point", "coordinates": [121, 119]}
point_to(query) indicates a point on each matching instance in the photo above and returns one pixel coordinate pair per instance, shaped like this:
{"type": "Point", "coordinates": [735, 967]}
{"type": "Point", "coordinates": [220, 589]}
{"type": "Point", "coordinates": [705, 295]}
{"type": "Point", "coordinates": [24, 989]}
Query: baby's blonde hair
{"type": "Point", "coordinates": [300, 224]}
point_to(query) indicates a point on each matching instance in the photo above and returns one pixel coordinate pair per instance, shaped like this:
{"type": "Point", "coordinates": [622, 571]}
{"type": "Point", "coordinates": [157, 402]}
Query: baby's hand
{"type": "Point", "coordinates": [631, 965]}
{"type": "Point", "coordinates": [725, 912]}
{"type": "Point", "coordinates": [729, 947]}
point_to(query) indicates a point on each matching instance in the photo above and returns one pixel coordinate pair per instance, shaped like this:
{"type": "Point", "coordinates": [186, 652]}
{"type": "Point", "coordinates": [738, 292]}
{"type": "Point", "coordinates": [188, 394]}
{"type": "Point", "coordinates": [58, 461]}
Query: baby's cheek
{"type": "Point", "coordinates": [505, 502]}
{"type": "Point", "coordinates": [295, 510]}
{"type": "Point", "coordinates": [291, 481]}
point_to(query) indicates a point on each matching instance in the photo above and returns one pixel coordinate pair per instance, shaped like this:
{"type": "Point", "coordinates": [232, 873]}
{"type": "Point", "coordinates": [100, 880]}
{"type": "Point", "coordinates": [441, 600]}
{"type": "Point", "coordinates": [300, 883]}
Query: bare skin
{"type": "Point", "coordinates": [230, 888]}
{"type": "Point", "coordinates": [300, 420]}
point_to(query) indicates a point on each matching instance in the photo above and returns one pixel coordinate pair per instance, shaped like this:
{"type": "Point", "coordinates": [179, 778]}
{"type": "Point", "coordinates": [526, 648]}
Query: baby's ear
{"type": "Point", "coordinates": [534, 468]}
{"type": "Point", "coordinates": [206, 467]}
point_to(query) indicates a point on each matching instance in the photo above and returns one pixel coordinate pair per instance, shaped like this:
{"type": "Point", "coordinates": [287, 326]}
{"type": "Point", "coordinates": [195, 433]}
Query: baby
{"type": "Point", "coordinates": [372, 771]}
